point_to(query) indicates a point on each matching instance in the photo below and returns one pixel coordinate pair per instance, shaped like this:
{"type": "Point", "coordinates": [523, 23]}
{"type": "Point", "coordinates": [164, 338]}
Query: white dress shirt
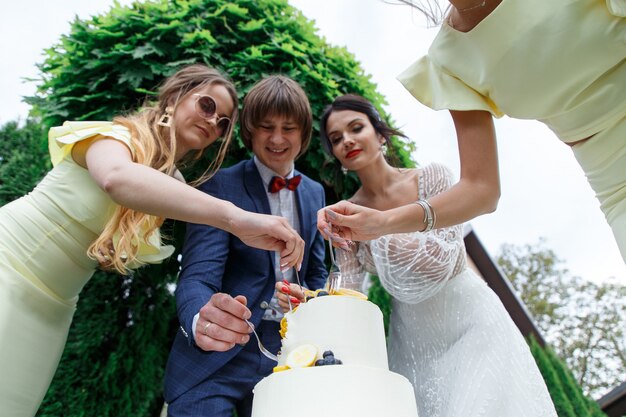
{"type": "Point", "coordinates": [282, 203]}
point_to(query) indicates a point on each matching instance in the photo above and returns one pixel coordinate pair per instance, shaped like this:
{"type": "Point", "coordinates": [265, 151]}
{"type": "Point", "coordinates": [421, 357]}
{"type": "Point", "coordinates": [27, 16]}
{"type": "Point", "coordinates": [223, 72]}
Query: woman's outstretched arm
{"type": "Point", "coordinates": [144, 189]}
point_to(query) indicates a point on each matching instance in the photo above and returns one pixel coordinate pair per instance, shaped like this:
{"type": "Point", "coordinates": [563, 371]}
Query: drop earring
{"type": "Point", "coordinates": [166, 118]}
{"type": "Point", "coordinates": [344, 170]}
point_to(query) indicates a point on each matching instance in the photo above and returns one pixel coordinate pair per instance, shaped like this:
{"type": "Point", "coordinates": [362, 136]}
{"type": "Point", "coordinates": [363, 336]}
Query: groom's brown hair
{"type": "Point", "coordinates": [276, 95]}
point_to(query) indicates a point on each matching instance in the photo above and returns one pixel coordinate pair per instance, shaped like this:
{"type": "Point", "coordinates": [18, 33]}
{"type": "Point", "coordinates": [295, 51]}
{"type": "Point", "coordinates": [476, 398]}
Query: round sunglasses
{"type": "Point", "coordinates": [206, 107]}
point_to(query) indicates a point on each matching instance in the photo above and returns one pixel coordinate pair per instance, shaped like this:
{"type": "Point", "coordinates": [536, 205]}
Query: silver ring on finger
{"type": "Point", "coordinates": [205, 329]}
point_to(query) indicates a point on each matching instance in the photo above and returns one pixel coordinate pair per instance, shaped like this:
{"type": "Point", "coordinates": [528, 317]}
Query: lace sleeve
{"type": "Point", "coordinates": [414, 266]}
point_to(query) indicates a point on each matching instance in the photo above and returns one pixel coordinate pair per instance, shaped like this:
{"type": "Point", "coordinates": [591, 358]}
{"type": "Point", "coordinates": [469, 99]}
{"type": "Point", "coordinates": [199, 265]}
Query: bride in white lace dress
{"type": "Point", "coordinates": [449, 333]}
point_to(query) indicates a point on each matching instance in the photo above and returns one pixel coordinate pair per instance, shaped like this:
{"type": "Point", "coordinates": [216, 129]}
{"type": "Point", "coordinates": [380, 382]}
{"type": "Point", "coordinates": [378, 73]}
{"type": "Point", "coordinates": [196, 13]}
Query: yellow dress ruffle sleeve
{"type": "Point", "coordinates": [150, 251]}
{"type": "Point", "coordinates": [439, 90]}
{"type": "Point", "coordinates": [61, 139]}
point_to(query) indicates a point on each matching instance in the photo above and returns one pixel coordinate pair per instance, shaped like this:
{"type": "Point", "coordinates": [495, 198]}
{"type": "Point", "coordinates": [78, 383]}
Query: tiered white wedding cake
{"type": "Point", "coordinates": [333, 362]}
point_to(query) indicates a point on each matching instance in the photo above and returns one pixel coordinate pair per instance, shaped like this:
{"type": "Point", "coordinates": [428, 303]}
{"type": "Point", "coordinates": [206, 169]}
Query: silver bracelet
{"type": "Point", "coordinates": [430, 218]}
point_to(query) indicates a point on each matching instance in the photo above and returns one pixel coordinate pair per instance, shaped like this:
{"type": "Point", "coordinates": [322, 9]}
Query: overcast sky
{"type": "Point", "coordinates": [544, 191]}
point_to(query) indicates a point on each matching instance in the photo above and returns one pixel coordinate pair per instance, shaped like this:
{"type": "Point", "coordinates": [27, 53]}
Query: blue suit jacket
{"type": "Point", "coordinates": [216, 261]}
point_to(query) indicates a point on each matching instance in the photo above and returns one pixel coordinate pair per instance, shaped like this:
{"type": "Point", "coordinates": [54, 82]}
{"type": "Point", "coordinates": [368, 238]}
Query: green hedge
{"type": "Point", "coordinates": [109, 63]}
{"type": "Point", "coordinates": [566, 394]}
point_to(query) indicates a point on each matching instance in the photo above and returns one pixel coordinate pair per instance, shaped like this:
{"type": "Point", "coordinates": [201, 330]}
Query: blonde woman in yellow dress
{"type": "Point", "coordinates": [112, 185]}
{"type": "Point", "coordinates": [562, 62]}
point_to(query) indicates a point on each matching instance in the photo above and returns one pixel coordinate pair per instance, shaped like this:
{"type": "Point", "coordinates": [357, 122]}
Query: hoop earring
{"type": "Point", "coordinates": [344, 170]}
{"type": "Point", "coordinates": [166, 118]}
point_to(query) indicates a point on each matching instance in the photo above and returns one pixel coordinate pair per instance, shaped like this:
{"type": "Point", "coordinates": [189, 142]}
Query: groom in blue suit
{"type": "Point", "coordinates": [214, 364]}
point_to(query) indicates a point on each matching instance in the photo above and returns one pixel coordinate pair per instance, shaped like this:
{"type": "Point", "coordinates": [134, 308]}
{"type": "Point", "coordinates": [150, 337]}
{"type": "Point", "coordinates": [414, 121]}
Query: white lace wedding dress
{"type": "Point", "coordinates": [449, 333]}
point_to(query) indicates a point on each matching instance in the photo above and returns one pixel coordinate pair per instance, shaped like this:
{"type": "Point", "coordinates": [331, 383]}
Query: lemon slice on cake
{"type": "Point", "coordinates": [302, 356]}
{"type": "Point", "coordinates": [283, 327]}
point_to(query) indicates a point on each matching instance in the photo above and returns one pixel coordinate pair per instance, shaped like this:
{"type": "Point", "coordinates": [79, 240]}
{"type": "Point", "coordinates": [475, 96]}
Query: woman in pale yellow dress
{"type": "Point", "coordinates": [562, 62]}
{"type": "Point", "coordinates": [102, 203]}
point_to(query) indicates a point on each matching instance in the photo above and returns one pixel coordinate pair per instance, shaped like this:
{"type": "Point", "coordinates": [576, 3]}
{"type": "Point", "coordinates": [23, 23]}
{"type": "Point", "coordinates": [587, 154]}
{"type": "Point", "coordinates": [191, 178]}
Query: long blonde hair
{"type": "Point", "coordinates": [155, 146]}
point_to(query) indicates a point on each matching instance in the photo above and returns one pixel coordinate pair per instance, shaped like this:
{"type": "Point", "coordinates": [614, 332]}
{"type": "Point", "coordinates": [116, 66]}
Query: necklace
{"type": "Point", "coordinates": [467, 9]}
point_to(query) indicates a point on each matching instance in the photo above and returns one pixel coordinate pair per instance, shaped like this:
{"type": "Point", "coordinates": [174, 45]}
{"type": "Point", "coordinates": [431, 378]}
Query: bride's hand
{"type": "Point", "coordinates": [288, 292]}
{"type": "Point", "coordinates": [270, 233]}
{"type": "Point", "coordinates": [350, 222]}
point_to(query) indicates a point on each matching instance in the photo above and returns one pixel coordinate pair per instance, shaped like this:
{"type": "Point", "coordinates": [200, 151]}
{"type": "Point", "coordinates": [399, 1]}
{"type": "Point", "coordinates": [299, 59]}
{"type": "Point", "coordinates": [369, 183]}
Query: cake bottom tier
{"type": "Point", "coordinates": [334, 391]}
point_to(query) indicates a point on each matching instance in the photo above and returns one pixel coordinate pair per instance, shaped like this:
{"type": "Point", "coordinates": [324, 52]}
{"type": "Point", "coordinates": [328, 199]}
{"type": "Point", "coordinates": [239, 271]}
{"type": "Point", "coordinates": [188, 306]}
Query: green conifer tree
{"type": "Point", "coordinates": [555, 387]}
{"type": "Point", "coordinates": [566, 394]}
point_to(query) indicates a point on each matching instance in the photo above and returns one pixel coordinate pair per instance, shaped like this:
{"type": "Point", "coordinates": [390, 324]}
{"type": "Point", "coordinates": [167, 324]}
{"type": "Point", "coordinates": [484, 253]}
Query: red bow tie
{"type": "Point", "coordinates": [278, 183]}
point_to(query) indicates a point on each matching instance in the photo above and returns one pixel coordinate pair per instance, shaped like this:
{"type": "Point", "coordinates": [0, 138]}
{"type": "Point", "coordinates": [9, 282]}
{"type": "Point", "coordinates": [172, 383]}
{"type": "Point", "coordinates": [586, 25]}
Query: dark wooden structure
{"type": "Point", "coordinates": [614, 403]}
{"type": "Point", "coordinates": [495, 278]}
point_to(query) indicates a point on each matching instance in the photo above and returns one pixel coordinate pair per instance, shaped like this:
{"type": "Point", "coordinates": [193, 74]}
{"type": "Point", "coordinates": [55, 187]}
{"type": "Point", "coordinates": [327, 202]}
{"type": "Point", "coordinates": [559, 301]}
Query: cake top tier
{"type": "Point", "coordinates": [350, 327]}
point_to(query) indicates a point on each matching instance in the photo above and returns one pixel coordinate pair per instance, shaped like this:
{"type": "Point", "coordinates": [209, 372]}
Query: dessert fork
{"type": "Point", "coordinates": [298, 280]}
{"type": "Point", "coordinates": [334, 275]}
{"type": "Point", "coordinates": [262, 348]}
